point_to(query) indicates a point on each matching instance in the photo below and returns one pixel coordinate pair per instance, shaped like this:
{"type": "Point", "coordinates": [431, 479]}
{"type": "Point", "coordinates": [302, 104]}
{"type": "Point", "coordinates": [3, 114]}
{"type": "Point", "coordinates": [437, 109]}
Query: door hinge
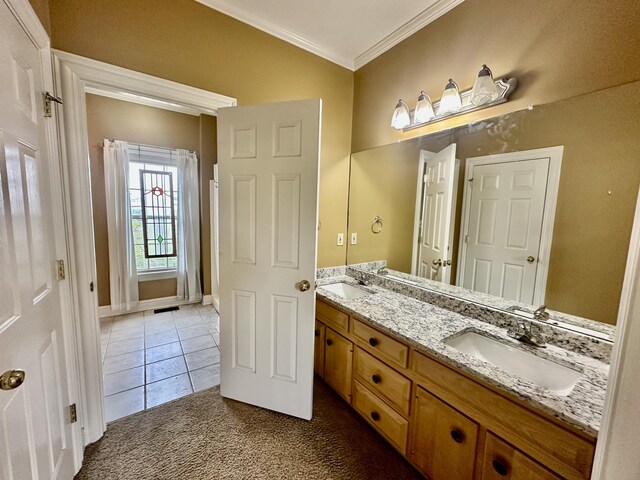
{"type": "Point", "coordinates": [48, 98]}
{"type": "Point", "coordinates": [91, 287]}
{"type": "Point", "coordinates": [61, 274]}
{"type": "Point", "coordinates": [466, 239]}
{"type": "Point", "coordinates": [471, 183]}
{"type": "Point", "coordinates": [425, 179]}
{"type": "Point", "coordinates": [73, 414]}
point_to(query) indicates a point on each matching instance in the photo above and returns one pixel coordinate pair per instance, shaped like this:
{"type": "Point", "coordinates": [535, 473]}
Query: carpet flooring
{"type": "Point", "coordinates": [203, 436]}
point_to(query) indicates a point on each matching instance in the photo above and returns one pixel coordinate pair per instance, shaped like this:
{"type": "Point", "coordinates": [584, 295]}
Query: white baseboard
{"type": "Point", "coordinates": [151, 304]}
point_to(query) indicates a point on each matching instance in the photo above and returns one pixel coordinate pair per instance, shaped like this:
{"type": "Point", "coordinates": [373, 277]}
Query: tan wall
{"type": "Point", "coordinates": [186, 42]}
{"type": "Point", "coordinates": [592, 227]}
{"type": "Point", "coordinates": [556, 48]}
{"type": "Point", "coordinates": [114, 119]}
{"type": "Point", "coordinates": [41, 7]}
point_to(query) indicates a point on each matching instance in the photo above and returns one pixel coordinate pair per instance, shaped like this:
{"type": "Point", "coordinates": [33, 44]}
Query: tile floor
{"type": "Point", "coordinates": [149, 359]}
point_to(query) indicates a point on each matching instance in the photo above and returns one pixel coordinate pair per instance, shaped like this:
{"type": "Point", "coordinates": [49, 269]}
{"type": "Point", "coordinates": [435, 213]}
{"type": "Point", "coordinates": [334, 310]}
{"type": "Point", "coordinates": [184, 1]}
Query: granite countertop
{"type": "Point", "coordinates": [425, 327]}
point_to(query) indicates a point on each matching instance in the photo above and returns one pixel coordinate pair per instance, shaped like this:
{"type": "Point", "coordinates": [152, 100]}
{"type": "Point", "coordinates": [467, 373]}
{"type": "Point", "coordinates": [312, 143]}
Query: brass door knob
{"type": "Point", "coordinates": [11, 379]}
{"type": "Point", "coordinates": [304, 285]}
{"type": "Point", "coordinates": [531, 259]}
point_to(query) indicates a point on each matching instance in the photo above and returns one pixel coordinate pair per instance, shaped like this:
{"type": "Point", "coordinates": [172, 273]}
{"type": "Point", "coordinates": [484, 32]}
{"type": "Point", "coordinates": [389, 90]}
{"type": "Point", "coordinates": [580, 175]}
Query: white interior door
{"type": "Point", "coordinates": [504, 228]}
{"type": "Point", "coordinates": [440, 179]}
{"type": "Point", "coordinates": [35, 434]}
{"type": "Point", "coordinates": [268, 161]}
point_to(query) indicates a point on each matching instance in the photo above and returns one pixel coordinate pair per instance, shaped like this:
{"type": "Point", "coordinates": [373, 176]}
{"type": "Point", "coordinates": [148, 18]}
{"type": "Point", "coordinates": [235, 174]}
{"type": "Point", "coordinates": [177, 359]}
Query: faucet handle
{"type": "Point", "coordinates": [541, 313]}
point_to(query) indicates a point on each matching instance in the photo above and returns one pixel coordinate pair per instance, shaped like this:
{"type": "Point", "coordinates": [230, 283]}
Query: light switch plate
{"type": "Point", "coordinates": [340, 241]}
{"type": "Point", "coordinates": [354, 238]}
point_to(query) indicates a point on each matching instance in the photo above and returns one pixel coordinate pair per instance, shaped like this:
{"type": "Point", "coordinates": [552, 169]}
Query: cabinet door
{"type": "Point", "coordinates": [443, 441]}
{"type": "Point", "coordinates": [501, 461]}
{"type": "Point", "coordinates": [318, 352]}
{"type": "Point", "coordinates": [338, 359]}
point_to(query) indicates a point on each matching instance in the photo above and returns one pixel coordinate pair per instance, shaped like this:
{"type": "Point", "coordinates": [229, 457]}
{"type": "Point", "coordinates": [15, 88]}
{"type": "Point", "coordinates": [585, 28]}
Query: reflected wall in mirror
{"type": "Point", "coordinates": [596, 195]}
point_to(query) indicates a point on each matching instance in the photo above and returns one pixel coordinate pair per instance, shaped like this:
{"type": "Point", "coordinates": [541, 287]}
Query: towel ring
{"type": "Point", "coordinates": [376, 226]}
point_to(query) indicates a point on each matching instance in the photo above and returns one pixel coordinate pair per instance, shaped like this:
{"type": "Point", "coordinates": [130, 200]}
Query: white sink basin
{"type": "Point", "coordinates": [544, 373]}
{"type": "Point", "coordinates": [345, 290]}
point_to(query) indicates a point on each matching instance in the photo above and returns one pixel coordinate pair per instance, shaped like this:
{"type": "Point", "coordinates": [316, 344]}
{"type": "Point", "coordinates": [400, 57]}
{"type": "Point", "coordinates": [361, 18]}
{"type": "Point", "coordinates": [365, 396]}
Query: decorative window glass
{"type": "Point", "coordinates": [154, 205]}
{"type": "Point", "coordinates": [158, 214]}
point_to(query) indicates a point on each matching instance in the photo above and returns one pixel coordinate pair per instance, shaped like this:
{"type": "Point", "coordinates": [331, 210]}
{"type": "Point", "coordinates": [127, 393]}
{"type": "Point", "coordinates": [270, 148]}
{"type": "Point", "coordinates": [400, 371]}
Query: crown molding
{"type": "Point", "coordinates": [439, 8]}
{"type": "Point", "coordinates": [256, 21]}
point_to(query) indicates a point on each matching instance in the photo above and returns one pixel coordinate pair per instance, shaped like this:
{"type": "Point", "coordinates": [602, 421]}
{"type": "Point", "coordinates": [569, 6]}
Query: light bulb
{"type": "Point", "coordinates": [424, 109]}
{"type": "Point", "coordinates": [400, 117]}
{"type": "Point", "coordinates": [484, 89]}
{"type": "Point", "coordinates": [450, 101]}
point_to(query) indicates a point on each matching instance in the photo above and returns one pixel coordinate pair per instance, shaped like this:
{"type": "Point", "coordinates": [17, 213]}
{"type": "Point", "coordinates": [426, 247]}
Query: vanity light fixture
{"type": "Point", "coordinates": [401, 118]}
{"type": "Point", "coordinates": [450, 101]}
{"type": "Point", "coordinates": [486, 92]}
{"type": "Point", "coordinates": [484, 89]}
{"type": "Point", "coordinates": [424, 109]}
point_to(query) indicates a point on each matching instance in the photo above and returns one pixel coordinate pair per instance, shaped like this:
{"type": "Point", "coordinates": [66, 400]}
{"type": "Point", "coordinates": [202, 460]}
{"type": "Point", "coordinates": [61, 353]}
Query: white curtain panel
{"type": "Point", "coordinates": [215, 249]}
{"type": "Point", "coordinates": [123, 276]}
{"type": "Point", "coordinates": [188, 227]}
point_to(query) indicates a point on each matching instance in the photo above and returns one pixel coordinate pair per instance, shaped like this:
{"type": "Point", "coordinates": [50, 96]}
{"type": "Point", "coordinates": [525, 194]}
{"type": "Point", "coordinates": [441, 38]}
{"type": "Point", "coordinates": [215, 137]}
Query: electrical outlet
{"type": "Point", "coordinates": [354, 238]}
{"type": "Point", "coordinates": [340, 241]}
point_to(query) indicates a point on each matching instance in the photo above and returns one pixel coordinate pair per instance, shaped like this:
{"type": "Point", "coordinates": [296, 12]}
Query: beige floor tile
{"type": "Point", "coordinates": [202, 358]}
{"type": "Point", "coordinates": [189, 322]}
{"type": "Point", "coordinates": [127, 333]}
{"type": "Point", "coordinates": [124, 346]}
{"type": "Point", "coordinates": [161, 339]}
{"type": "Point", "coordinates": [120, 324]}
{"type": "Point", "coordinates": [190, 332]}
{"type": "Point", "coordinates": [123, 380]}
{"type": "Point", "coordinates": [162, 352]}
{"type": "Point", "coordinates": [123, 362]}
{"type": "Point", "coordinates": [168, 389]}
{"type": "Point", "coordinates": [124, 403]}
{"type": "Point", "coordinates": [158, 327]}
{"type": "Point", "coordinates": [206, 377]}
{"type": "Point", "coordinates": [197, 343]}
{"type": "Point", "coordinates": [165, 369]}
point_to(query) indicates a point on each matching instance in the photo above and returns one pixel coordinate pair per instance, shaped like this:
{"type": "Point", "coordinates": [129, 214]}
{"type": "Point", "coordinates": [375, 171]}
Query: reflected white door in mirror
{"type": "Point", "coordinates": [509, 208]}
{"type": "Point", "coordinates": [435, 214]}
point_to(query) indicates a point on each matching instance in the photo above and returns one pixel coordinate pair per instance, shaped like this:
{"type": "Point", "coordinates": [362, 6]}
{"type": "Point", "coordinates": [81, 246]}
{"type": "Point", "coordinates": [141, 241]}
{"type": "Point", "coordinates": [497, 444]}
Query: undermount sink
{"type": "Point", "coordinates": [544, 373]}
{"type": "Point", "coordinates": [345, 290]}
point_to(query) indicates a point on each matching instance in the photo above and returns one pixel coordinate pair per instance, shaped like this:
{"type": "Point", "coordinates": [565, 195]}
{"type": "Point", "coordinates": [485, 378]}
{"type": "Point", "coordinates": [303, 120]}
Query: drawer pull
{"type": "Point", "coordinates": [373, 341]}
{"type": "Point", "coordinates": [500, 467]}
{"type": "Point", "coordinates": [376, 378]}
{"type": "Point", "coordinates": [329, 342]}
{"type": "Point", "coordinates": [457, 435]}
{"type": "Point", "coordinates": [317, 332]}
{"type": "Point", "coordinates": [375, 416]}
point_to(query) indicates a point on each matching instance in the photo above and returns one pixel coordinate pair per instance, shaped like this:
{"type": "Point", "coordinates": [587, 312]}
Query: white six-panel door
{"type": "Point", "coordinates": [504, 228]}
{"type": "Point", "coordinates": [438, 214]}
{"type": "Point", "coordinates": [268, 158]}
{"type": "Point", "coordinates": [35, 434]}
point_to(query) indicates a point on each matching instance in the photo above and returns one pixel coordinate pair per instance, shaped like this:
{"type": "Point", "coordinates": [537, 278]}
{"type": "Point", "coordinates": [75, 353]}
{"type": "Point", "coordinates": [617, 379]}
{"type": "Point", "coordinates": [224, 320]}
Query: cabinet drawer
{"type": "Point", "coordinates": [392, 351]}
{"type": "Point", "coordinates": [555, 447]}
{"type": "Point", "coordinates": [503, 462]}
{"type": "Point", "coordinates": [383, 380]}
{"type": "Point", "coordinates": [332, 317]}
{"type": "Point", "coordinates": [381, 416]}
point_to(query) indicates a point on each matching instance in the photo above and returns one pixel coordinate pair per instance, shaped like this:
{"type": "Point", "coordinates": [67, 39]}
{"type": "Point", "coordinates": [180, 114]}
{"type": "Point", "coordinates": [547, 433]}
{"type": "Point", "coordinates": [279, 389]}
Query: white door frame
{"type": "Point", "coordinates": [76, 76]}
{"type": "Point", "coordinates": [554, 154]}
{"type": "Point", "coordinates": [27, 17]}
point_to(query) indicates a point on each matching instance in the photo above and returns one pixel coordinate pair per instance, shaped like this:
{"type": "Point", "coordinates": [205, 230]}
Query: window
{"type": "Point", "coordinates": [154, 207]}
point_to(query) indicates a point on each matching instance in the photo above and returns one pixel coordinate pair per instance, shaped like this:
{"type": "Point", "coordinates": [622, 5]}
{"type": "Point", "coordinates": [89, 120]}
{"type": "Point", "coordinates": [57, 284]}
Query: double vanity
{"type": "Point", "coordinates": [457, 387]}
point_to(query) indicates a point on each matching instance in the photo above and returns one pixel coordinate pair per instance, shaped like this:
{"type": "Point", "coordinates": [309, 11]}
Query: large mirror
{"type": "Point", "coordinates": [535, 206]}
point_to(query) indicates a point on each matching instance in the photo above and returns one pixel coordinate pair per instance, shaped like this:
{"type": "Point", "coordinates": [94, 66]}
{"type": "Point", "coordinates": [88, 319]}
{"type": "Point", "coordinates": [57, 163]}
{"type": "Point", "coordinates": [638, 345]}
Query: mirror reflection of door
{"type": "Point", "coordinates": [435, 214]}
{"type": "Point", "coordinates": [504, 226]}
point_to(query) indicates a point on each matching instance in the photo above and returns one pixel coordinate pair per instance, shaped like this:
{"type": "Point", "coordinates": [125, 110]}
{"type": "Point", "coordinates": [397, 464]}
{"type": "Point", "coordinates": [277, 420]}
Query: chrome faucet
{"type": "Point", "coordinates": [382, 271]}
{"type": "Point", "coordinates": [541, 314]}
{"type": "Point", "coordinates": [527, 332]}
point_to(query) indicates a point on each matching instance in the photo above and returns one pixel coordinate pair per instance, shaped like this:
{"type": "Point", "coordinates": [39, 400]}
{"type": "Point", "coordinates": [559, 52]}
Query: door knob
{"type": "Point", "coordinates": [304, 285]}
{"type": "Point", "coordinates": [531, 259]}
{"type": "Point", "coordinates": [437, 262]}
{"type": "Point", "coordinates": [11, 379]}
{"type": "Point", "coordinates": [446, 263]}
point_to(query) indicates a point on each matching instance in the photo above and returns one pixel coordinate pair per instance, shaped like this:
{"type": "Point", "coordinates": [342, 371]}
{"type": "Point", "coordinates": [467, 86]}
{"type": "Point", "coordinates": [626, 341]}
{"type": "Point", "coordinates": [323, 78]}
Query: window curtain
{"type": "Point", "coordinates": [215, 249]}
{"type": "Point", "coordinates": [123, 276]}
{"type": "Point", "coordinates": [188, 274]}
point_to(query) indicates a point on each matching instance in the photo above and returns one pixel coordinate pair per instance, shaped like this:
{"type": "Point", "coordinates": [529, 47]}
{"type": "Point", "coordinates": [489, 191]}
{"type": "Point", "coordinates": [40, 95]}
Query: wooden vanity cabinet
{"type": "Point", "coordinates": [501, 461]}
{"type": "Point", "coordinates": [338, 362]}
{"type": "Point", "coordinates": [443, 441]}
{"type": "Point", "coordinates": [318, 351]}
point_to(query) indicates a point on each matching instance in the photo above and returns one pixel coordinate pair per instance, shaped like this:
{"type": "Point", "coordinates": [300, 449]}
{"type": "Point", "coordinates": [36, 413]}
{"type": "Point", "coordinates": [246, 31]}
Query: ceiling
{"type": "Point", "coordinates": [347, 32]}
